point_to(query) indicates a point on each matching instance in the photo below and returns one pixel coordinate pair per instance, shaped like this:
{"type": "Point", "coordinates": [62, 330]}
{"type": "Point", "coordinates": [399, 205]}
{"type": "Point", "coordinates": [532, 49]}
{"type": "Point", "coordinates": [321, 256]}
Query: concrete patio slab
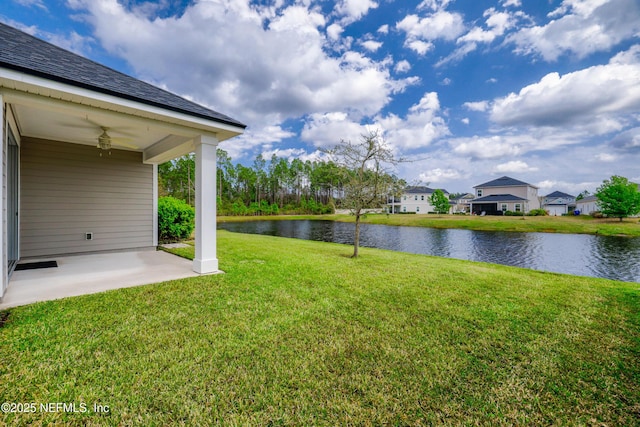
{"type": "Point", "coordinates": [87, 274]}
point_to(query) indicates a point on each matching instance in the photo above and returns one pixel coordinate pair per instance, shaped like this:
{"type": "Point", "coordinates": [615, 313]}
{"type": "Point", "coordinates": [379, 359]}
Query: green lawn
{"type": "Point", "coordinates": [298, 333]}
{"type": "Point", "coordinates": [545, 224]}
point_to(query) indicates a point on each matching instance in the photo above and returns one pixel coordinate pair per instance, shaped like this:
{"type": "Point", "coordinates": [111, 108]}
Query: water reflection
{"type": "Point", "coordinates": [598, 256]}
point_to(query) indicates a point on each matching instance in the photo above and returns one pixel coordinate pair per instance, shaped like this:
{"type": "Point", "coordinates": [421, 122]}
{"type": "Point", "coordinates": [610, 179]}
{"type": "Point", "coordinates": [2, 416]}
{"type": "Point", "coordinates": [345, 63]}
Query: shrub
{"type": "Point", "coordinates": [537, 212]}
{"type": "Point", "coordinates": [512, 213]}
{"type": "Point", "coordinates": [175, 219]}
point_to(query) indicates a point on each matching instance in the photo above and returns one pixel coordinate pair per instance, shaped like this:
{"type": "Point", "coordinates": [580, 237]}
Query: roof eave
{"type": "Point", "coordinates": [28, 83]}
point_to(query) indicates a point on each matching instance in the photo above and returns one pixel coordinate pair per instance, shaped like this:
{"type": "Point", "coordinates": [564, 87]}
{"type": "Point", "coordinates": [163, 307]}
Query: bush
{"type": "Point", "coordinates": [512, 213]}
{"type": "Point", "coordinates": [175, 219]}
{"type": "Point", "coordinates": [537, 212]}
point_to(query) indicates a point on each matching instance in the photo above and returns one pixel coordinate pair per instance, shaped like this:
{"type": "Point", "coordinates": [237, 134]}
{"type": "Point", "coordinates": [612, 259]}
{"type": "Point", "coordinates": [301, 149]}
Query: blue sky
{"type": "Point", "coordinates": [545, 91]}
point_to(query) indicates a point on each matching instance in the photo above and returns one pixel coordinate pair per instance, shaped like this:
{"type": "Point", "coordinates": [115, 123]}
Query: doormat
{"type": "Point", "coordinates": [34, 265]}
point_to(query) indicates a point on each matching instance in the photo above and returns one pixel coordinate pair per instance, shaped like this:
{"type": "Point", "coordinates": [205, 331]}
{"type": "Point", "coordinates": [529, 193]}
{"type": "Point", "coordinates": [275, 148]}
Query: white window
{"type": "Point", "coordinates": [518, 208]}
{"type": "Point", "coordinates": [504, 207]}
{"type": "Point", "coordinates": [479, 192]}
{"type": "Point", "coordinates": [422, 197]}
{"type": "Point", "coordinates": [405, 197]}
{"type": "Point", "coordinates": [415, 197]}
{"type": "Point", "coordinates": [404, 209]}
{"type": "Point", "coordinates": [417, 208]}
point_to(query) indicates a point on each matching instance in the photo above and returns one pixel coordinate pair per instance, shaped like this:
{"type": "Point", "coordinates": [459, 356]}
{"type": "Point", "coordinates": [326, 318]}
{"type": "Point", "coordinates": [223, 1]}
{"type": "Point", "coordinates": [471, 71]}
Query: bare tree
{"type": "Point", "coordinates": [367, 176]}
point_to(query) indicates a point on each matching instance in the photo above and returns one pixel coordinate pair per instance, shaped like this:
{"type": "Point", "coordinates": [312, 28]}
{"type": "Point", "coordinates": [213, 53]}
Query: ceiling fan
{"type": "Point", "coordinates": [106, 141]}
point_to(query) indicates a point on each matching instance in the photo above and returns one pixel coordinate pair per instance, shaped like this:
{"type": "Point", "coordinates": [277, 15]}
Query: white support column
{"type": "Point", "coordinates": [155, 204]}
{"type": "Point", "coordinates": [4, 281]}
{"type": "Point", "coordinates": [205, 260]}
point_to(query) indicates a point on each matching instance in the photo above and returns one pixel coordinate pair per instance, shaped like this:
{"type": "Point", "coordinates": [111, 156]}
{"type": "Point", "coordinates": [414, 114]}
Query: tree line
{"type": "Point", "coordinates": [269, 186]}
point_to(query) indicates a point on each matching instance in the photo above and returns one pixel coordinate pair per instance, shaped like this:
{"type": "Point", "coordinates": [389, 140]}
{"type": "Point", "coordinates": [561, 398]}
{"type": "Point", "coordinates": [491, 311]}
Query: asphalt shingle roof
{"type": "Point", "coordinates": [559, 194]}
{"type": "Point", "coordinates": [498, 198]}
{"type": "Point", "coordinates": [422, 190]}
{"type": "Point", "coordinates": [588, 199]}
{"type": "Point", "coordinates": [22, 52]}
{"type": "Point", "coordinates": [504, 181]}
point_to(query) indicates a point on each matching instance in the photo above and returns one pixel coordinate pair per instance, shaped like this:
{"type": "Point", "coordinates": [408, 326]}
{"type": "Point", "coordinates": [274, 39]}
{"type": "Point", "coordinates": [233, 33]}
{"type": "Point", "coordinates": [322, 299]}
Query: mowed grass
{"type": "Point", "coordinates": [298, 333]}
{"type": "Point", "coordinates": [542, 224]}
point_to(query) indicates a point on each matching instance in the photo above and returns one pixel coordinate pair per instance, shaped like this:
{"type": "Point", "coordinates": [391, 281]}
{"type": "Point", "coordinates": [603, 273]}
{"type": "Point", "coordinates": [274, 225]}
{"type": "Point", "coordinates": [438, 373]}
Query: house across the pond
{"type": "Point", "coordinates": [504, 194]}
{"type": "Point", "coordinates": [559, 203]}
{"type": "Point", "coordinates": [415, 199]}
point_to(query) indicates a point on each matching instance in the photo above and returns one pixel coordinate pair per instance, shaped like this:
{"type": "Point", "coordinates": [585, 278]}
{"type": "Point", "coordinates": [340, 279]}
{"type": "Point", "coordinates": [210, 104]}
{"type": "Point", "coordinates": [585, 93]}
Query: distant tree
{"type": "Point", "coordinates": [177, 178]}
{"type": "Point", "coordinates": [366, 180]}
{"type": "Point", "coordinates": [583, 194]}
{"type": "Point", "coordinates": [618, 198]}
{"type": "Point", "coordinates": [439, 202]}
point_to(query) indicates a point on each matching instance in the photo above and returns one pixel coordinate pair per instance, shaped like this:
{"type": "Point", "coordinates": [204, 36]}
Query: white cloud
{"type": "Point", "coordinates": [328, 129]}
{"type": "Point", "coordinates": [628, 141]}
{"type": "Point", "coordinates": [418, 129]}
{"type": "Point", "coordinates": [258, 65]}
{"type": "Point", "coordinates": [583, 27]}
{"type": "Point", "coordinates": [476, 106]}
{"type": "Point", "coordinates": [513, 167]}
{"type": "Point", "coordinates": [606, 157]}
{"type": "Point", "coordinates": [497, 23]}
{"type": "Point", "coordinates": [434, 4]}
{"type": "Point", "coordinates": [465, 120]}
{"type": "Point", "coordinates": [255, 138]}
{"type": "Point", "coordinates": [422, 126]}
{"type": "Point", "coordinates": [514, 3]}
{"type": "Point", "coordinates": [334, 31]}
{"type": "Point", "coordinates": [402, 66]}
{"type": "Point", "coordinates": [31, 3]}
{"type": "Point", "coordinates": [440, 175]}
{"type": "Point", "coordinates": [354, 10]}
{"type": "Point", "coordinates": [384, 29]}
{"type": "Point", "coordinates": [419, 46]}
{"type": "Point", "coordinates": [596, 98]}
{"type": "Point", "coordinates": [371, 45]}
{"type": "Point", "coordinates": [547, 186]}
{"type": "Point", "coordinates": [490, 147]}
{"type": "Point", "coordinates": [296, 153]}
{"type": "Point", "coordinates": [422, 31]}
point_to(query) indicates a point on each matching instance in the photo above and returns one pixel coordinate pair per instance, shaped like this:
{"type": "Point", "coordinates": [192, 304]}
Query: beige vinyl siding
{"type": "Point", "coordinates": [513, 190]}
{"type": "Point", "coordinates": [68, 190]}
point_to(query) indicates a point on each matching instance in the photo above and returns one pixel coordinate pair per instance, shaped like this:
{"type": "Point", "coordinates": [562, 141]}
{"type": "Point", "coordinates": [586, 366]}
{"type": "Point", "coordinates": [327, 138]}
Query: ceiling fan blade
{"type": "Point", "coordinates": [76, 126]}
{"type": "Point", "coordinates": [123, 142]}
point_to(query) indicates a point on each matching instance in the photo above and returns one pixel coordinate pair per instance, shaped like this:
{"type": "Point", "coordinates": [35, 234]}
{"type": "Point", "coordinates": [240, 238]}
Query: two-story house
{"type": "Point", "coordinates": [558, 203]}
{"type": "Point", "coordinates": [414, 199]}
{"type": "Point", "coordinates": [504, 194]}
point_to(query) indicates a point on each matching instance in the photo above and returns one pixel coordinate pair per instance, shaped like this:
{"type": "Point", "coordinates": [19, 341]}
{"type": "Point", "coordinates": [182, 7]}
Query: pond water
{"type": "Point", "coordinates": [579, 254]}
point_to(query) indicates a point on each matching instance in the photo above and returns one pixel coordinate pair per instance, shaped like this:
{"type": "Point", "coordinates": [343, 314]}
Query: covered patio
{"type": "Point", "coordinates": [87, 274]}
{"type": "Point", "coordinates": [81, 145]}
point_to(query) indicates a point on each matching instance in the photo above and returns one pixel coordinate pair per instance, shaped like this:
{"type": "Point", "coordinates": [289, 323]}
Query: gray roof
{"type": "Point", "coordinates": [466, 196]}
{"type": "Point", "coordinates": [587, 199]}
{"type": "Point", "coordinates": [498, 198]}
{"type": "Point", "coordinates": [422, 190]}
{"type": "Point", "coordinates": [22, 52]}
{"type": "Point", "coordinates": [504, 181]}
{"type": "Point", "coordinates": [560, 194]}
